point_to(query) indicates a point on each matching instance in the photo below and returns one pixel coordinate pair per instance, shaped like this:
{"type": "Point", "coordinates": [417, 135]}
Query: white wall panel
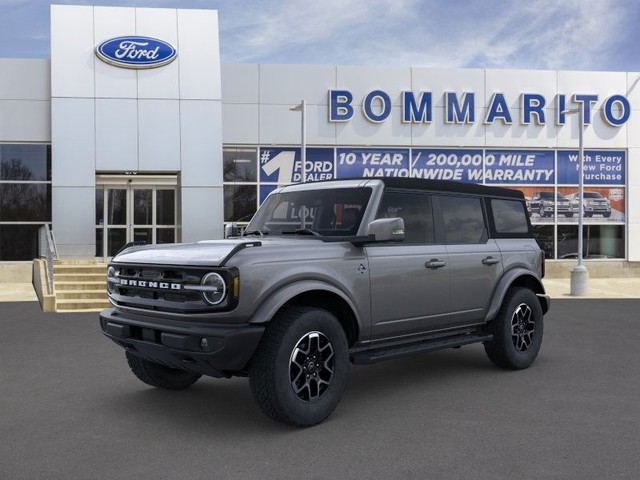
{"type": "Point", "coordinates": [25, 121]}
{"type": "Point", "coordinates": [633, 168]}
{"type": "Point", "coordinates": [240, 83]}
{"type": "Point", "coordinates": [199, 55]}
{"type": "Point", "coordinates": [114, 82]}
{"type": "Point", "coordinates": [360, 131]}
{"type": "Point", "coordinates": [201, 142]}
{"type": "Point", "coordinates": [362, 80]}
{"type": "Point", "coordinates": [603, 84]}
{"type": "Point", "coordinates": [319, 130]}
{"type": "Point", "coordinates": [74, 215]}
{"type": "Point", "coordinates": [72, 56]}
{"type": "Point", "coordinates": [240, 123]}
{"type": "Point", "coordinates": [162, 82]}
{"type": "Point", "coordinates": [116, 134]}
{"type": "Point", "coordinates": [633, 89]}
{"type": "Point", "coordinates": [512, 83]}
{"type": "Point", "coordinates": [202, 209]}
{"type": "Point", "coordinates": [634, 242]}
{"type": "Point", "coordinates": [500, 135]}
{"type": "Point", "coordinates": [441, 80]}
{"type": "Point", "coordinates": [159, 135]}
{"type": "Point", "coordinates": [73, 142]}
{"type": "Point", "coordinates": [439, 133]}
{"type": "Point", "coordinates": [290, 84]}
{"type": "Point", "coordinates": [597, 135]}
{"type": "Point", "coordinates": [279, 125]}
{"type": "Point", "coordinates": [25, 79]}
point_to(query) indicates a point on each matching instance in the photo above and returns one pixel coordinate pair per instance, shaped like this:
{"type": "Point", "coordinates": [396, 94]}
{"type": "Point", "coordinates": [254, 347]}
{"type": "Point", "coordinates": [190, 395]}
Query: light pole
{"type": "Point", "coordinates": [580, 274]}
{"type": "Point", "coordinates": [302, 107]}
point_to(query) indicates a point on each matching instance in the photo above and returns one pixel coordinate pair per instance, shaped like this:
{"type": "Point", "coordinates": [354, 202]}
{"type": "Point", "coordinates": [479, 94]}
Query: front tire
{"type": "Point", "coordinates": [160, 376]}
{"type": "Point", "coordinates": [300, 368]}
{"type": "Point", "coordinates": [517, 330]}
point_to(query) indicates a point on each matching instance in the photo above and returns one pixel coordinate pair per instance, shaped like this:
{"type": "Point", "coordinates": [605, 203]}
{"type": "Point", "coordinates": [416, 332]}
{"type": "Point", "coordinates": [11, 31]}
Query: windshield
{"type": "Point", "coordinates": [327, 212]}
{"type": "Point", "coordinates": [549, 196]}
{"type": "Point", "coordinates": [592, 195]}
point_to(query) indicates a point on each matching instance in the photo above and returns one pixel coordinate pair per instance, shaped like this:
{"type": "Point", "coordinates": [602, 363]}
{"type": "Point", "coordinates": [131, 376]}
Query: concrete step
{"type": "Point", "coordinates": [74, 304]}
{"type": "Point", "coordinates": [79, 277]}
{"type": "Point", "coordinates": [64, 286]}
{"type": "Point", "coordinates": [82, 294]}
{"type": "Point", "coordinates": [80, 269]}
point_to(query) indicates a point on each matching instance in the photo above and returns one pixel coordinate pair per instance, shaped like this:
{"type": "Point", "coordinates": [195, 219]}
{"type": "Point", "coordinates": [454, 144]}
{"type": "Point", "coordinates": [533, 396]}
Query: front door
{"type": "Point", "coordinates": [134, 212]}
{"type": "Point", "coordinates": [409, 280]}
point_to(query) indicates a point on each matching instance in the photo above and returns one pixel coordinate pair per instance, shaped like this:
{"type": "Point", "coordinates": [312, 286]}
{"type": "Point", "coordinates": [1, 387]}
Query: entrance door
{"type": "Point", "coordinates": [133, 212]}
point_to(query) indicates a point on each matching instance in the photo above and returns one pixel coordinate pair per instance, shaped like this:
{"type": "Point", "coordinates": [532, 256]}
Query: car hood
{"type": "Point", "coordinates": [210, 253]}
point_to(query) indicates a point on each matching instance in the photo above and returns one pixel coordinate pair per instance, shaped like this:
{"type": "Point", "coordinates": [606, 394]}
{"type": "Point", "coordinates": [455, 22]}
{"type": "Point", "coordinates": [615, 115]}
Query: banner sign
{"type": "Point", "coordinates": [372, 163]}
{"type": "Point", "coordinates": [447, 164]}
{"type": "Point", "coordinates": [601, 167]}
{"type": "Point", "coordinates": [519, 167]}
{"type": "Point", "coordinates": [283, 165]}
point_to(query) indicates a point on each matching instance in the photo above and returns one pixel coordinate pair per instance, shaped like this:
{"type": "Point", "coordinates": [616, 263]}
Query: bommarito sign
{"type": "Point", "coordinates": [459, 108]}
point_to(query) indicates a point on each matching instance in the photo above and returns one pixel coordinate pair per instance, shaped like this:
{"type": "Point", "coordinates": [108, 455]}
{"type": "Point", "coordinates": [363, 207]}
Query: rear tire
{"type": "Point", "coordinates": [160, 376]}
{"type": "Point", "coordinates": [301, 366]}
{"type": "Point", "coordinates": [517, 330]}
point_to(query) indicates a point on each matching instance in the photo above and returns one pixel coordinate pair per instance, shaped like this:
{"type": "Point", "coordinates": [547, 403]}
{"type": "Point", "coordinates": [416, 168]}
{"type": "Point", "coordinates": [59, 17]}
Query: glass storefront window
{"type": "Point", "coordinates": [25, 163]}
{"type": "Point", "coordinates": [18, 242]}
{"type": "Point", "coordinates": [599, 241]}
{"type": "Point", "coordinates": [546, 239]}
{"type": "Point", "coordinates": [239, 164]}
{"type": "Point", "coordinates": [239, 202]}
{"type": "Point", "coordinates": [165, 207]}
{"type": "Point", "coordinates": [25, 202]}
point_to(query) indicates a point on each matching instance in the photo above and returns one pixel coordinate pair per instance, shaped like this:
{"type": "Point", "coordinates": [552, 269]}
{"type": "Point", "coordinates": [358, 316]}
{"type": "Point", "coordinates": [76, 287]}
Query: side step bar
{"type": "Point", "coordinates": [397, 351]}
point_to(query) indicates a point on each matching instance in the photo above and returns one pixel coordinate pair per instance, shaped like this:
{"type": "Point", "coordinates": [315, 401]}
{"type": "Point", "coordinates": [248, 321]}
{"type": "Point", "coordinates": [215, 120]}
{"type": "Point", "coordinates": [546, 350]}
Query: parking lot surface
{"type": "Point", "coordinates": [70, 408]}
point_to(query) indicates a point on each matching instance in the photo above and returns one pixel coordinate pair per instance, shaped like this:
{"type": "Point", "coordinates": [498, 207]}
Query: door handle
{"type": "Point", "coordinates": [490, 260]}
{"type": "Point", "coordinates": [435, 263]}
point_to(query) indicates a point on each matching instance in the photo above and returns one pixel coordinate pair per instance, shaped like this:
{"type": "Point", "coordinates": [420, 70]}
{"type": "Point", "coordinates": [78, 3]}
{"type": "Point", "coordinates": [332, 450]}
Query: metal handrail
{"type": "Point", "coordinates": [48, 250]}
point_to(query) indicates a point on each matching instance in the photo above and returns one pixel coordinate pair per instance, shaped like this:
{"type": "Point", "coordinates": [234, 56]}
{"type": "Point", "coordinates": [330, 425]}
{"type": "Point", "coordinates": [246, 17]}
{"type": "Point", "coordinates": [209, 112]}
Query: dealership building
{"type": "Point", "coordinates": [134, 131]}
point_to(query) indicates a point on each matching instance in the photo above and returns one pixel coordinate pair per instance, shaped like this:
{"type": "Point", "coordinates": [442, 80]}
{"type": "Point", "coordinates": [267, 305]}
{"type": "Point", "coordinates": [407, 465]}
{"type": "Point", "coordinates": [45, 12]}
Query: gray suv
{"type": "Point", "coordinates": [332, 273]}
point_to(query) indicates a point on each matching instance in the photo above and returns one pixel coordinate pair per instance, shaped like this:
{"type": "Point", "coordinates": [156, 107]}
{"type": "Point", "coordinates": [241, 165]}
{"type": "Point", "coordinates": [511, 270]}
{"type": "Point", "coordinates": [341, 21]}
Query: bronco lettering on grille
{"type": "Point", "coordinates": [149, 284]}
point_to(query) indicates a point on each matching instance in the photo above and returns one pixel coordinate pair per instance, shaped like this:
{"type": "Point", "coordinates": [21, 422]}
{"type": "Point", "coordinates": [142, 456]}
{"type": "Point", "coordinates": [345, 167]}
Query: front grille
{"type": "Point", "coordinates": [156, 288]}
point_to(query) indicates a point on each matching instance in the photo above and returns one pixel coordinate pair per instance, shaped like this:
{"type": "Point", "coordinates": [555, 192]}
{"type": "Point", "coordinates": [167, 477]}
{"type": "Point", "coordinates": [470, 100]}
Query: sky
{"type": "Point", "coordinates": [531, 34]}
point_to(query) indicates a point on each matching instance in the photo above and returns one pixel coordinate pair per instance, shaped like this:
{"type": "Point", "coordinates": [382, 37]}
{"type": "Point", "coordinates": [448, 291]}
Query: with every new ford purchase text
{"type": "Point", "coordinates": [332, 273]}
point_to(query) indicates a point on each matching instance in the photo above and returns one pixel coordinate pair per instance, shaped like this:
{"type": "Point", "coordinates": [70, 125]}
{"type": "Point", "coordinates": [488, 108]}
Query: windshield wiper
{"type": "Point", "coordinates": [255, 232]}
{"type": "Point", "coordinates": [302, 231]}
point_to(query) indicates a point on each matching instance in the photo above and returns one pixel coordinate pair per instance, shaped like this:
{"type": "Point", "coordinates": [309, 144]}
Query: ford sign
{"type": "Point", "coordinates": [136, 52]}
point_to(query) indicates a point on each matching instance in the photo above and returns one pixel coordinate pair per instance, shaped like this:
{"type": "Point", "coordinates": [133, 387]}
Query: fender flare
{"type": "Point", "coordinates": [268, 308]}
{"type": "Point", "coordinates": [503, 285]}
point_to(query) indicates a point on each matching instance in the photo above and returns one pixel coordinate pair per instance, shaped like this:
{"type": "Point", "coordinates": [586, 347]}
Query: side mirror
{"type": "Point", "coordinates": [231, 230]}
{"type": "Point", "coordinates": [386, 230]}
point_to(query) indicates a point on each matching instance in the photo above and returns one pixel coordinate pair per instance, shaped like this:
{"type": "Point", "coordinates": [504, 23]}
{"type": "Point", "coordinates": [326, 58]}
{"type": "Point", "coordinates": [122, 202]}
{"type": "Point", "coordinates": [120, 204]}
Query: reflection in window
{"type": "Point", "coordinates": [25, 202]}
{"type": "Point", "coordinates": [509, 216]}
{"type": "Point", "coordinates": [239, 164]}
{"type": "Point", "coordinates": [599, 241]}
{"type": "Point", "coordinates": [545, 237]}
{"type": "Point", "coordinates": [415, 210]}
{"type": "Point", "coordinates": [18, 242]}
{"type": "Point", "coordinates": [239, 202]}
{"type": "Point", "coordinates": [165, 207]}
{"type": "Point", "coordinates": [463, 219]}
{"type": "Point", "coordinates": [25, 163]}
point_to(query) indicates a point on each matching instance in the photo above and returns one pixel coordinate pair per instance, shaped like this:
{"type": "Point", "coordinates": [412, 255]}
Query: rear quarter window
{"type": "Point", "coordinates": [509, 216]}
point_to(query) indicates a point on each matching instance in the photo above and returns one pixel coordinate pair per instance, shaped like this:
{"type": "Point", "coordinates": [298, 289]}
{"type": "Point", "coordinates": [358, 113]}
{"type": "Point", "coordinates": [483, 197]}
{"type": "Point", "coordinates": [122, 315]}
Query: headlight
{"type": "Point", "coordinates": [214, 289]}
{"type": "Point", "coordinates": [111, 279]}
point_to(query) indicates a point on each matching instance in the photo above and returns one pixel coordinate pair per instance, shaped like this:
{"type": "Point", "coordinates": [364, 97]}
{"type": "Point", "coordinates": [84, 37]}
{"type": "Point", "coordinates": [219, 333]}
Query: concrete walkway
{"type": "Point", "coordinates": [17, 292]}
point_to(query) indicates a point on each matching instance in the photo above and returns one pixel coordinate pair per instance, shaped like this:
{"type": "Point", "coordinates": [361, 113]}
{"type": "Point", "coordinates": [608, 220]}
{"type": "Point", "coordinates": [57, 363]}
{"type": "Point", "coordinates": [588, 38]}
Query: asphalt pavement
{"type": "Point", "coordinates": [71, 409]}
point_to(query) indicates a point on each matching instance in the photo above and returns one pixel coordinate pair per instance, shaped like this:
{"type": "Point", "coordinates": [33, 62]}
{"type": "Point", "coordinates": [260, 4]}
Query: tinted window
{"type": "Point", "coordinates": [509, 216]}
{"type": "Point", "coordinates": [463, 220]}
{"type": "Point", "coordinates": [415, 210]}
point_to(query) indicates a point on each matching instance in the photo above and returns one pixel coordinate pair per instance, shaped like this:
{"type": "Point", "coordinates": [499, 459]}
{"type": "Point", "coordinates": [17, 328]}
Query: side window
{"type": "Point", "coordinates": [463, 220]}
{"type": "Point", "coordinates": [509, 216]}
{"type": "Point", "coordinates": [415, 210]}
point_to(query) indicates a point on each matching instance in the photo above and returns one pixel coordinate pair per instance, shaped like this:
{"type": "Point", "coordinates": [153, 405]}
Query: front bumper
{"type": "Point", "coordinates": [214, 350]}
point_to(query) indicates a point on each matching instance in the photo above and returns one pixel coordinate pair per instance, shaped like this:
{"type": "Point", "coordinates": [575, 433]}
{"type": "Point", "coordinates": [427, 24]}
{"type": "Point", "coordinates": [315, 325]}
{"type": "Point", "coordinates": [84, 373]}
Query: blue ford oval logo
{"type": "Point", "coordinates": [136, 52]}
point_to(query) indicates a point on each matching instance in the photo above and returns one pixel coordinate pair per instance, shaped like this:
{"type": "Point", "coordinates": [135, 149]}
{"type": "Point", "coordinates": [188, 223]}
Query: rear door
{"type": "Point", "coordinates": [409, 280]}
{"type": "Point", "coordinates": [475, 262]}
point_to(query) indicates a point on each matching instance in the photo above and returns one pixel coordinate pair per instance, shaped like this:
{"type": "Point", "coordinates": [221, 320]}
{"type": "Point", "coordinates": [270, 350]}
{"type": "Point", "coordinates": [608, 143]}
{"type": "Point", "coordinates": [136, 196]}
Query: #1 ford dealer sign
{"type": "Point", "coordinates": [136, 52]}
